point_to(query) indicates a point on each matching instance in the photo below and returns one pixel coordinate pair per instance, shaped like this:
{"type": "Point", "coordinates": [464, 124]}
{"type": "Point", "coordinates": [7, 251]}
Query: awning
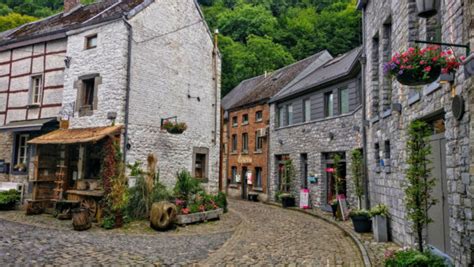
{"type": "Point", "coordinates": [75, 136]}
{"type": "Point", "coordinates": [26, 125]}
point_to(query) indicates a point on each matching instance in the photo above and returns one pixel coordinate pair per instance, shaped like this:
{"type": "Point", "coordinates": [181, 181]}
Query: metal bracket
{"type": "Point", "coordinates": [466, 46]}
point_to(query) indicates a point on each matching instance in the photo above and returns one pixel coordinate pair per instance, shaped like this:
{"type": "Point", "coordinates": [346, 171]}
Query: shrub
{"type": "Point", "coordinates": [379, 209]}
{"type": "Point", "coordinates": [10, 196]}
{"type": "Point", "coordinates": [413, 258]}
{"type": "Point", "coordinates": [186, 186]}
{"type": "Point", "coordinates": [108, 222]}
{"type": "Point", "coordinates": [221, 201]}
{"type": "Point", "coordinates": [361, 212]}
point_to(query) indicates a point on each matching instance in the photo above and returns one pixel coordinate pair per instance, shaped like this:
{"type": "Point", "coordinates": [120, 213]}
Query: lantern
{"type": "Point", "coordinates": [427, 8]}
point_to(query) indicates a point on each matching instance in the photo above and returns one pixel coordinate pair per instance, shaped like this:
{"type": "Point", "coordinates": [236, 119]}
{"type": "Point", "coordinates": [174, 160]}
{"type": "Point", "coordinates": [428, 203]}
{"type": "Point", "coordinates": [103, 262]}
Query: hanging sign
{"type": "Point", "coordinates": [330, 170]}
{"type": "Point", "coordinates": [249, 178]}
{"type": "Point", "coordinates": [304, 199]}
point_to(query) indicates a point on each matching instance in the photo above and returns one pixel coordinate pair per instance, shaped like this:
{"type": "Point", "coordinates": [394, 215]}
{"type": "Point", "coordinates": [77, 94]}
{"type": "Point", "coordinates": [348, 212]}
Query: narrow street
{"type": "Point", "coordinates": [267, 235]}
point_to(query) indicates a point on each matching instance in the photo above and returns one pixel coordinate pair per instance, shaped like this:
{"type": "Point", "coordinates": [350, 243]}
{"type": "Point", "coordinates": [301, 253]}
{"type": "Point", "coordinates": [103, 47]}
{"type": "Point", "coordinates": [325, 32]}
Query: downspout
{"type": "Point", "coordinates": [269, 159]}
{"type": "Point", "coordinates": [215, 55]}
{"type": "Point", "coordinates": [127, 95]}
{"type": "Point", "coordinates": [363, 62]}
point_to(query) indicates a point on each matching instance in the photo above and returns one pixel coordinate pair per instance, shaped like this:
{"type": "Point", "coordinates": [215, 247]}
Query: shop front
{"type": "Point", "coordinates": [68, 169]}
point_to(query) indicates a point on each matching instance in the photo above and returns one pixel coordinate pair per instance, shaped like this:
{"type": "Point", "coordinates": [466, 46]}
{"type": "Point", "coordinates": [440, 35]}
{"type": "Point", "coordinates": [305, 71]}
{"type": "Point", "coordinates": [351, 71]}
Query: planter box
{"type": "Point", "coordinates": [8, 206]}
{"type": "Point", "coordinates": [199, 217]}
{"type": "Point", "coordinates": [287, 202]}
{"type": "Point", "coordinates": [362, 224]}
{"type": "Point", "coordinates": [380, 228]}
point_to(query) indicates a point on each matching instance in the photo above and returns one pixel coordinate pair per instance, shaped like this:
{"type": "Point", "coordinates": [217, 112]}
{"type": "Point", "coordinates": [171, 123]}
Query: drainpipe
{"type": "Point", "coordinates": [363, 62]}
{"type": "Point", "coordinates": [215, 54]}
{"type": "Point", "coordinates": [268, 152]}
{"type": "Point", "coordinates": [127, 95]}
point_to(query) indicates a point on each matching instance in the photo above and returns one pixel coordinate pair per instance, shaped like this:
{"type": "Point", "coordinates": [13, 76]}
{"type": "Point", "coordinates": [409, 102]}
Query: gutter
{"type": "Point", "coordinates": [127, 95]}
{"type": "Point", "coordinates": [363, 61]}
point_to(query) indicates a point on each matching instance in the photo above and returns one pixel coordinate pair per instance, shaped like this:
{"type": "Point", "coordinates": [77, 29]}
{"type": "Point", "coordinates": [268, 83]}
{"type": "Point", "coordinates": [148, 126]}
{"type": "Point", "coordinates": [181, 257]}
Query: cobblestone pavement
{"type": "Point", "coordinates": [266, 236]}
{"type": "Point", "coordinates": [271, 236]}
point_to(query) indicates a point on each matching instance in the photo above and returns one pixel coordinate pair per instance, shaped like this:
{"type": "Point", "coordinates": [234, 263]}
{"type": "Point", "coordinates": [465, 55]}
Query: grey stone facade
{"type": "Point", "coordinates": [386, 184]}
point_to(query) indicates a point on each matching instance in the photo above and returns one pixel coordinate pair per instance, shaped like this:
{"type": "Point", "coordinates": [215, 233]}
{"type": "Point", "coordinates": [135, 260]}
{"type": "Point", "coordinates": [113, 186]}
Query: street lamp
{"type": "Point", "coordinates": [427, 8]}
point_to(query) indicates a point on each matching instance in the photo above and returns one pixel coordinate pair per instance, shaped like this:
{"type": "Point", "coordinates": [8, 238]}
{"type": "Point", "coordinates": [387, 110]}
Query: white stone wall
{"type": "Point", "coordinates": [109, 60]}
{"type": "Point", "coordinates": [172, 58]}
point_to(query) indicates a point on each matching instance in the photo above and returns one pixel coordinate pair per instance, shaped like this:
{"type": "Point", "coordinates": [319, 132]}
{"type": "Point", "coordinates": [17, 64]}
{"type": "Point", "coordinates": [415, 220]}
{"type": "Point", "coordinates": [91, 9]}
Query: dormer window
{"type": "Point", "coordinates": [91, 41]}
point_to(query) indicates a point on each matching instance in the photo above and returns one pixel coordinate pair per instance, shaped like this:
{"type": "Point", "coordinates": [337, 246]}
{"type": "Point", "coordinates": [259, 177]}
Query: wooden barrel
{"type": "Point", "coordinates": [80, 219]}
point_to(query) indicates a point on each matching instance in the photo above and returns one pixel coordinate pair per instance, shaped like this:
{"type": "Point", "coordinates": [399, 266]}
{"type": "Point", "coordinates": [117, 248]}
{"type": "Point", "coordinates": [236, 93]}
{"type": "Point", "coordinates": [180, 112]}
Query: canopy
{"type": "Point", "coordinates": [75, 136]}
{"type": "Point", "coordinates": [26, 125]}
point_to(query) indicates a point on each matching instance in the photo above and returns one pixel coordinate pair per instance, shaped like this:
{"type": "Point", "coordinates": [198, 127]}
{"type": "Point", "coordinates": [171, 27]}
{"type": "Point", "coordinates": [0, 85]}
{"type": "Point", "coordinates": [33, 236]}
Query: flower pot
{"type": "Point", "coordinates": [175, 131]}
{"type": "Point", "coordinates": [414, 78]}
{"type": "Point", "coordinates": [362, 224]}
{"type": "Point", "coordinates": [427, 8]}
{"type": "Point", "coordinates": [287, 201]}
{"type": "Point", "coordinates": [380, 228]}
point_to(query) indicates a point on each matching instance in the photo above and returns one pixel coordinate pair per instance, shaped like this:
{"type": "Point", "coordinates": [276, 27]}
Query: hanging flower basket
{"type": "Point", "coordinates": [175, 127]}
{"type": "Point", "coordinates": [422, 66]}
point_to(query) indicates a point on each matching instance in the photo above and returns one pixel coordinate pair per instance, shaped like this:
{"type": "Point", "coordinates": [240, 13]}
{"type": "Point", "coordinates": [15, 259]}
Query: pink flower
{"type": "Point", "coordinates": [185, 211]}
{"type": "Point", "coordinates": [444, 70]}
{"type": "Point", "coordinates": [462, 58]}
{"type": "Point", "coordinates": [422, 62]}
{"type": "Point", "coordinates": [411, 50]}
{"type": "Point", "coordinates": [427, 69]}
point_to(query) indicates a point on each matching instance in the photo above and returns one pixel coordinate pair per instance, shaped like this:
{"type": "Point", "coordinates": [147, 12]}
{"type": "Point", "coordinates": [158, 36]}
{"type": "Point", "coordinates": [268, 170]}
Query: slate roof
{"type": "Point", "coordinates": [262, 88]}
{"type": "Point", "coordinates": [82, 16]}
{"type": "Point", "coordinates": [334, 69]}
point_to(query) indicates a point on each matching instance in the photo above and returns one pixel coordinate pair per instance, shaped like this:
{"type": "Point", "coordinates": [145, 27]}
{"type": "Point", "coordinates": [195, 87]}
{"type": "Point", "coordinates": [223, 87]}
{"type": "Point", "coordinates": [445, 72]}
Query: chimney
{"type": "Point", "coordinates": [70, 5]}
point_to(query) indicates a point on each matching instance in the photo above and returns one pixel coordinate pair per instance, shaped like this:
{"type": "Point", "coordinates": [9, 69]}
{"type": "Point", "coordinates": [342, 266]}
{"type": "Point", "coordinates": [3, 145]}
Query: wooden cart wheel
{"type": "Point", "coordinates": [91, 205]}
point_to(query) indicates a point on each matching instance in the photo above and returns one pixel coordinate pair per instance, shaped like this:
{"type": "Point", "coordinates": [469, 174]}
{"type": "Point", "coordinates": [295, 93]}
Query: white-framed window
{"type": "Point", "coordinates": [258, 116]}
{"type": "Point", "coordinates": [289, 114]}
{"type": "Point", "coordinates": [307, 110]}
{"type": "Point", "coordinates": [235, 122]}
{"type": "Point", "coordinates": [343, 100]}
{"type": "Point", "coordinates": [21, 153]}
{"type": "Point", "coordinates": [91, 41]}
{"type": "Point", "coordinates": [258, 142]}
{"type": "Point", "coordinates": [245, 119]}
{"type": "Point", "coordinates": [36, 90]}
{"type": "Point", "coordinates": [245, 142]}
{"type": "Point", "coordinates": [258, 177]}
{"type": "Point", "coordinates": [281, 116]}
{"type": "Point", "coordinates": [329, 104]}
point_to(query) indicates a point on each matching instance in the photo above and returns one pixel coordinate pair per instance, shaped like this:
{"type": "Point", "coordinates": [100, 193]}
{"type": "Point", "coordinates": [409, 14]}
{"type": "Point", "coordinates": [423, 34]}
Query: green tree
{"type": "Point", "coordinates": [418, 197]}
{"type": "Point", "coordinates": [357, 168]}
{"type": "Point", "coordinates": [13, 20]}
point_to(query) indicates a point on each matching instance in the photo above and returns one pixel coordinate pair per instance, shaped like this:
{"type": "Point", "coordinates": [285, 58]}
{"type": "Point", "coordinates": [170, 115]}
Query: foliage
{"type": "Point", "coordinates": [108, 222]}
{"type": "Point", "coordinates": [413, 258]}
{"type": "Point", "coordinates": [175, 127]}
{"type": "Point", "coordinates": [357, 169]}
{"type": "Point", "coordinates": [337, 174]}
{"type": "Point", "coordinates": [13, 20]}
{"type": "Point", "coordinates": [359, 212]}
{"type": "Point", "coordinates": [10, 196]}
{"type": "Point", "coordinates": [221, 201]}
{"type": "Point", "coordinates": [379, 210]}
{"type": "Point", "coordinates": [135, 169]}
{"type": "Point", "coordinates": [420, 62]}
{"type": "Point", "coordinates": [288, 176]}
{"type": "Point", "coordinates": [418, 192]}
{"type": "Point", "coordinates": [186, 186]}
{"type": "Point", "coordinates": [118, 195]}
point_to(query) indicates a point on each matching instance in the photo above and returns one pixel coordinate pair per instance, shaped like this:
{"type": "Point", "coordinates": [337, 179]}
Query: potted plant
{"type": "Point", "coordinates": [380, 229]}
{"type": "Point", "coordinates": [361, 220]}
{"type": "Point", "coordinates": [175, 127]}
{"type": "Point", "coordinates": [411, 257]}
{"type": "Point", "coordinates": [287, 200]}
{"type": "Point", "coordinates": [8, 199]}
{"type": "Point", "coordinates": [420, 66]}
{"type": "Point", "coordinates": [427, 8]}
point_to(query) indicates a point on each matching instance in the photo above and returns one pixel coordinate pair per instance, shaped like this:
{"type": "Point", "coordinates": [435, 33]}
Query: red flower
{"type": "Point", "coordinates": [185, 211]}
{"type": "Point", "coordinates": [422, 62]}
{"type": "Point", "coordinates": [427, 69]}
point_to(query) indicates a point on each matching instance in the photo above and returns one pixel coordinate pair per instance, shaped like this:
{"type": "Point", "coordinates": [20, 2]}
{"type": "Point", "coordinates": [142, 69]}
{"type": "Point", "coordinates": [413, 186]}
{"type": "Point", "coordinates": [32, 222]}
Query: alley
{"type": "Point", "coordinates": [267, 235]}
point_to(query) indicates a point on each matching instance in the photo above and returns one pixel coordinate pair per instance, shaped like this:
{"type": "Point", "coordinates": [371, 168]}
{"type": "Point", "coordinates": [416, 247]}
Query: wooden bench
{"type": "Point", "coordinates": [252, 196]}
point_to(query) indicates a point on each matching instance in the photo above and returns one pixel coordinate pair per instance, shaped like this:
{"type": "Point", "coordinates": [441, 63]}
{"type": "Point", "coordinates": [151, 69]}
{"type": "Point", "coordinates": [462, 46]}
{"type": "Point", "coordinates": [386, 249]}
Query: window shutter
{"type": "Point", "coordinates": [80, 90]}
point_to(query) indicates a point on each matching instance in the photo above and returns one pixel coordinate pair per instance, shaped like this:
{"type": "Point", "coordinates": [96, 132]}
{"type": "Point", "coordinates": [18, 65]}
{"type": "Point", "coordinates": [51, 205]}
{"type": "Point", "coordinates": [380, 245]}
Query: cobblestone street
{"type": "Point", "coordinates": [267, 236]}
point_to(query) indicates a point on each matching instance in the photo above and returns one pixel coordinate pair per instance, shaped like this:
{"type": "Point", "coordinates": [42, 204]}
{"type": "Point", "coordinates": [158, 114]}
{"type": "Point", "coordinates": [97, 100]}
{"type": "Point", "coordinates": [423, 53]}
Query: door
{"type": "Point", "coordinates": [244, 182]}
{"type": "Point", "coordinates": [304, 171]}
{"type": "Point", "coordinates": [438, 230]}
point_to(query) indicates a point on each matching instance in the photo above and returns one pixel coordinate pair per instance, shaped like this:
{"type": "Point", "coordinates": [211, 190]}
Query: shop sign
{"type": "Point", "coordinates": [304, 199]}
{"type": "Point", "coordinates": [244, 160]}
{"type": "Point", "coordinates": [330, 170]}
{"type": "Point", "coordinates": [249, 178]}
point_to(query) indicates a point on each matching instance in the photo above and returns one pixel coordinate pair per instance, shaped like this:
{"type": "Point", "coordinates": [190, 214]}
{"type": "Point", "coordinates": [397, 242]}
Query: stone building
{"type": "Point", "coordinates": [393, 26]}
{"type": "Point", "coordinates": [131, 63]}
{"type": "Point", "coordinates": [313, 119]}
{"type": "Point", "coordinates": [245, 123]}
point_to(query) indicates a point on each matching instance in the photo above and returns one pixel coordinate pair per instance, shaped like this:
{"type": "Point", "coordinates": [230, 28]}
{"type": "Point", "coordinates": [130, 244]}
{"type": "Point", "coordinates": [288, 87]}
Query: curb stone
{"type": "Point", "coordinates": [360, 246]}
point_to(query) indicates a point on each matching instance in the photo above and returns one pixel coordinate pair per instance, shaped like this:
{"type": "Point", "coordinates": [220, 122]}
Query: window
{"type": "Point", "coordinates": [234, 174]}
{"type": "Point", "coordinates": [245, 119]}
{"type": "Point", "coordinates": [235, 122]}
{"type": "Point", "coordinates": [88, 86]}
{"type": "Point", "coordinates": [258, 177]}
{"type": "Point", "coordinates": [234, 143]}
{"type": "Point", "coordinates": [200, 166]}
{"type": "Point", "coordinates": [386, 97]}
{"type": "Point", "coordinates": [289, 114]}
{"type": "Point", "coordinates": [21, 153]}
{"type": "Point", "coordinates": [258, 116]}
{"type": "Point", "coordinates": [258, 142]}
{"type": "Point", "coordinates": [328, 104]}
{"type": "Point", "coordinates": [280, 118]}
{"type": "Point", "coordinates": [91, 41]}
{"type": "Point", "coordinates": [387, 149]}
{"type": "Point", "coordinates": [245, 142]}
{"type": "Point", "coordinates": [36, 89]}
{"type": "Point", "coordinates": [343, 101]}
{"type": "Point", "coordinates": [377, 154]}
{"type": "Point", "coordinates": [307, 110]}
